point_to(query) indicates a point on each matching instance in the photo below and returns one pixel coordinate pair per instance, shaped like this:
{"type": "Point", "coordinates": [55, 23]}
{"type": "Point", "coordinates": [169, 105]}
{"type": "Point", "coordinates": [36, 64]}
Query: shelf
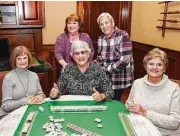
{"type": "Point", "coordinates": [166, 18]}
{"type": "Point", "coordinates": [6, 3]}
{"type": "Point", "coordinates": [171, 12]}
{"type": "Point", "coordinates": [8, 13]}
{"type": "Point", "coordinates": [167, 27]}
{"type": "Point", "coordinates": [169, 20]}
{"type": "Point", "coordinates": [165, 2]}
{"type": "Point", "coordinates": [15, 26]}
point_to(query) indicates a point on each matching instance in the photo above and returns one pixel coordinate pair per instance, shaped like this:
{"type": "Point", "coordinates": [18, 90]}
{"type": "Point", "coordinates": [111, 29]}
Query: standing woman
{"type": "Point", "coordinates": [73, 31]}
{"type": "Point", "coordinates": [155, 96]}
{"type": "Point", "coordinates": [20, 86]}
{"type": "Point", "coordinates": [115, 54]}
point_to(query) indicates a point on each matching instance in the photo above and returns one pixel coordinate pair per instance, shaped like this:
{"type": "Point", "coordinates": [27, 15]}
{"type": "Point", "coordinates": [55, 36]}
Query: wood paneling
{"type": "Point", "coordinates": [44, 80]}
{"type": "Point", "coordinates": [90, 10]}
{"type": "Point", "coordinates": [31, 38]}
{"type": "Point", "coordinates": [140, 50]}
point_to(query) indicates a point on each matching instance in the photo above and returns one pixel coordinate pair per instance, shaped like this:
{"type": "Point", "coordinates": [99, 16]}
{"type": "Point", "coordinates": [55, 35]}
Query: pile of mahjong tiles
{"type": "Point", "coordinates": [54, 128]}
{"type": "Point", "coordinates": [28, 122]}
{"type": "Point", "coordinates": [78, 108]}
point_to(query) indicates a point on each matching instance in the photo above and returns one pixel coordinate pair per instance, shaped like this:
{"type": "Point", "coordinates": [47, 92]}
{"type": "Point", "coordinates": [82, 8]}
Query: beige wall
{"type": "Point", "coordinates": [55, 15]}
{"type": "Point", "coordinates": [144, 22]}
{"type": "Point", "coordinates": [143, 26]}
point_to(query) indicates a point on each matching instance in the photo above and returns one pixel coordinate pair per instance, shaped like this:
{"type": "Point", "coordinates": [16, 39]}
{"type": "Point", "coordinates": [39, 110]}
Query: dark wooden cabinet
{"type": "Point", "coordinates": [22, 14]}
{"type": "Point", "coordinates": [30, 12]}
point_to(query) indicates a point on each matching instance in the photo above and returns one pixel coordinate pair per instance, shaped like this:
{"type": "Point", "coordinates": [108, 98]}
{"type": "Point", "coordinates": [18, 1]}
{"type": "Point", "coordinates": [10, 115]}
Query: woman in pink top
{"type": "Point", "coordinates": [73, 31]}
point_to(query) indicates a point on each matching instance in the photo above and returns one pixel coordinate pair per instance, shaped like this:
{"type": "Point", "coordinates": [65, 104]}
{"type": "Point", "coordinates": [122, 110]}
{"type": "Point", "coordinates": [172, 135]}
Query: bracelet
{"type": "Point", "coordinates": [43, 95]}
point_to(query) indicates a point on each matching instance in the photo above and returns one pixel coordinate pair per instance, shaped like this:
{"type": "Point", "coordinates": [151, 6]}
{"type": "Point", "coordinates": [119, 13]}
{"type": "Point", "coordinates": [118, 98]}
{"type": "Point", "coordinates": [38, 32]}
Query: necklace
{"type": "Point", "coordinates": [26, 90]}
{"type": "Point", "coordinates": [74, 38]}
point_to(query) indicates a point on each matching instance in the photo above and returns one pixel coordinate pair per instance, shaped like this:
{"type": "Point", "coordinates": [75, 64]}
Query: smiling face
{"type": "Point", "coordinates": [106, 25]}
{"type": "Point", "coordinates": [73, 27]}
{"type": "Point", "coordinates": [81, 58]}
{"type": "Point", "coordinates": [155, 68]}
{"type": "Point", "coordinates": [22, 61]}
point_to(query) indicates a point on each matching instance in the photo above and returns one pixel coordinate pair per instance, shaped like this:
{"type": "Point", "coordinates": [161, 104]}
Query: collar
{"type": "Point", "coordinates": [155, 86]}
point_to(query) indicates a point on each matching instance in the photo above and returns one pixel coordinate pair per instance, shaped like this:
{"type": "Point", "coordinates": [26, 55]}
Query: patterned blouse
{"type": "Point", "coordinates": [77, 83]}
{"type": "Point", "coordinates": [116, 52]}
{"type": "Point", "coordinates": [63, 46]}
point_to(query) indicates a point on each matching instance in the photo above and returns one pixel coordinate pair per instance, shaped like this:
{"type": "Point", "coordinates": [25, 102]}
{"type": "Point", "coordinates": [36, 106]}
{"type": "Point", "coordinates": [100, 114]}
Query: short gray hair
{"type": "Point", "coordinates": [79, 45]}
{"type": "Point", "coordinates": [105, 14]}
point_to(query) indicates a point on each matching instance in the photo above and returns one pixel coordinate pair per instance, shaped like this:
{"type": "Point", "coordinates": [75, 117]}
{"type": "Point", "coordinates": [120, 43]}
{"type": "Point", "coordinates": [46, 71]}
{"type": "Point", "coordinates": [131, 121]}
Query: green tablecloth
{"type": "Point", "coordinates": [111, 123]}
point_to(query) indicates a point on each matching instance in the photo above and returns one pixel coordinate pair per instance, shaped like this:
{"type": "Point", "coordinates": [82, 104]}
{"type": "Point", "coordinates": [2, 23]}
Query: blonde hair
{"type": "Point", "coordinates": [19, 51]}
{"type": "Point", "coordinates": [156, 52]}
{"type": "Point", "coordinates": [80, 45]}
{"type": "Point", "coordinates": [105, 14]}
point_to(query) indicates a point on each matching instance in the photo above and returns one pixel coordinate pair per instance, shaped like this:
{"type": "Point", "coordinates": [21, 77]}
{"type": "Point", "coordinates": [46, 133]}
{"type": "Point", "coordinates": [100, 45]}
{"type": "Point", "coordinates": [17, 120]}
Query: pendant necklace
{"type": "Point", "coordinates": [26, 90]}
{"type": "Point", "coordinates": [72, 39]}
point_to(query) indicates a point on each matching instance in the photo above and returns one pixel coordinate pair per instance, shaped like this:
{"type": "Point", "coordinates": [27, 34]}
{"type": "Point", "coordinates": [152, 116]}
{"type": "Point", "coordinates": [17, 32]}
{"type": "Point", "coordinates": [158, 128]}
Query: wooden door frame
{"type": "Point", "coordinates": [80, 12]}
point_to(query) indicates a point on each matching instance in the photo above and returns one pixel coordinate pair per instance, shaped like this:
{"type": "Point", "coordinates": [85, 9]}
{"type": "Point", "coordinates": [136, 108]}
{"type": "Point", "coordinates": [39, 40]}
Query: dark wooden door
{"type": "Point", "coordinates": [90, 10]}
{"type": "Point", "coordinates": [30, 12]}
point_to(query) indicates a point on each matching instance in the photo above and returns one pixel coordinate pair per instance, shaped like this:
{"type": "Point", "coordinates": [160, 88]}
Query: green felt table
{"type": "Point", "coordinates": [111, 123]}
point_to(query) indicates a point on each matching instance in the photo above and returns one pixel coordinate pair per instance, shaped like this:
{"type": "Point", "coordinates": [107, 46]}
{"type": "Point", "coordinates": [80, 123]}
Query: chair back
{"type": "Point", "coordinates": [176, 81]}
{"type": "Point", "coordinates": [2, 74]}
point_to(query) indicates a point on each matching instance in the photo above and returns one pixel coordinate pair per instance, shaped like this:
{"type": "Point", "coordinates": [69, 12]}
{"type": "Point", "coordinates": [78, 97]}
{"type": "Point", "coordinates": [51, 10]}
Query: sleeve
{"type": "Point", "coordinates": [8, 103]}
{"type": "Point", "coordinates": [38, 85]}
{"type": "Point", "coordinates": [131, 94]}
{"type": "Point", "coordinates": [125, 49]}
{"type": "Point", "coordinates": [62, 81]}
{"type": "Point", "coordinates": [89, 41]}
{"type": "Point", "coordinates": [59, 48]}
{"type": "Point", "coordinates": [99, 58]}
{"type": "Point", "coordinates": [171, 120]}
{"type": "Point", "coordinates": [105, 83]}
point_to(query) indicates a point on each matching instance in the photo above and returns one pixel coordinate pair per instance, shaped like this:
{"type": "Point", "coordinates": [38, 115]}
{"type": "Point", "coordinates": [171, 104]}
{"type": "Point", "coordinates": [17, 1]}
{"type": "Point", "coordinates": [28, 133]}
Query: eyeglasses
{"type": "Point", "coordinates": [77, 53]}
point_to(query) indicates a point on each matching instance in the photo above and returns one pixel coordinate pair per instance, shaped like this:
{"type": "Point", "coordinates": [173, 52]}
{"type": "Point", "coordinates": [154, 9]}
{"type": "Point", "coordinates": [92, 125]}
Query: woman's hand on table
{"type": "Point", "coordinates": [54, 91]}
{"type": "Point", "coordinates": [136, 108]}
{"type": "Point", "coordinates": [38, 99]}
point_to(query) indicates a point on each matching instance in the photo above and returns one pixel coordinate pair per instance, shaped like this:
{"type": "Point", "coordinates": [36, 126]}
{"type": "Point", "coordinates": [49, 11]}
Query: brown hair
{"type": "Point", "coordinates": [156, 52]}
{"type": "Point", "coordinates": [74, 17]}
{"type": "Point", "coordinates": [18, 51]}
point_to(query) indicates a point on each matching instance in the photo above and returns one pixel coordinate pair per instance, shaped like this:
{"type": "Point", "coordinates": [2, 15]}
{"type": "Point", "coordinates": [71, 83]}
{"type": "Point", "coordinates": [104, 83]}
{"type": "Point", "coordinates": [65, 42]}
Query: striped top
{"type": "Point", "coordinates": [116, 53]}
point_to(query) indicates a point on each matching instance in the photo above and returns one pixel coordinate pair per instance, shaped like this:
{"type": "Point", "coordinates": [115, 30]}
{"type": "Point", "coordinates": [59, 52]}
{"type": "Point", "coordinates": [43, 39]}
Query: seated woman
{"type": "Point", "coordinates": [83, 77]}
{"type": "Point", "coordinates": [155, 96]}
{"type": "Point", "coordinates": [20, 86]}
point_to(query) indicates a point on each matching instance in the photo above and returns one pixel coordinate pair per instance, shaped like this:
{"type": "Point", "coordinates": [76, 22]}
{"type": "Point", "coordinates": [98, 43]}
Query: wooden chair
{"type": "Point", "coordinates": [176, 81]}
{"type": "Point", "coordinates": [2, 74]}
{"type": "Point", "coordinates": [125, 94]}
